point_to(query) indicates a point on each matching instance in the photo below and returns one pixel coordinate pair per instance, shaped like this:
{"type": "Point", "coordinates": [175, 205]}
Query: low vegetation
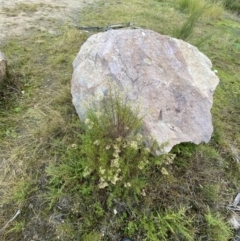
{"type": "Point", "coordinates": [21, 8]}
{"type": "Point", "coordinates": [233, 5]}
{"type": "Point", "coordinates": [63, 179]}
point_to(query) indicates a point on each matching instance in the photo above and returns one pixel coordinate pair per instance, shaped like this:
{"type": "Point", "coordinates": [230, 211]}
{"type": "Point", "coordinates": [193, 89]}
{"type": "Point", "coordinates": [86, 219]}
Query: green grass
{"type": "Point", "coordinates": [216, 227]}
{"type": "Point", "coordinates": [233, 5]}
{"type": "Point", "coordinates": [48, 158]}
{"type": "Point", "coordinates": [187, 29]}
{"type": "Point", "coordinates": [212, 9]}
{"type": "Point", "coordinates": [150, 14]}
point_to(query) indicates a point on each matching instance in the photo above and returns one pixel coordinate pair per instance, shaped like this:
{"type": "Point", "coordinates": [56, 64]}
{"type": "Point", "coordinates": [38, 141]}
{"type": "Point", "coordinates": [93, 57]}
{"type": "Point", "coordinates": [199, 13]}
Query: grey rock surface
{"type": "Point", "coordinates": [170, 79]}
{"type": "Point", "coordinates": [3, 67]}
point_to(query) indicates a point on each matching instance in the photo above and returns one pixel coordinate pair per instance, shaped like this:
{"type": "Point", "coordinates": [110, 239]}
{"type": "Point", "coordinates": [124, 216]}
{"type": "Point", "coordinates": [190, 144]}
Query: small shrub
{"type": "Point", "coordinates": [114, 118]}
{"type": "Point", "coordinates": [110, 153]}
{"type": "Point", "coordinates": [162, 226]}
{"type": "Point", "coordinates": [108, 167]}
{"type": "Point", "coordinates": [217, 228]}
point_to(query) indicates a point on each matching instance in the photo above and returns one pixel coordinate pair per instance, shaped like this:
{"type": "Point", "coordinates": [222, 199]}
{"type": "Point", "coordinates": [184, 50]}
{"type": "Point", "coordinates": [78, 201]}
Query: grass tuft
{"type": "Point", "coordinates": [212, 10]}
{"type": "Point", "coordinates": [217, 228]}
{"type": "Point", "coordinates": [187, 29]}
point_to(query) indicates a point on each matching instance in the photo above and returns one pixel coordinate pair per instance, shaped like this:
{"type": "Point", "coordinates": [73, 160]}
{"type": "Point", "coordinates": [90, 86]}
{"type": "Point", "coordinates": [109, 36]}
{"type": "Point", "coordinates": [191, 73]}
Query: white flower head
{"type": "Point", "coordinates": [87, 121]}
{"type": "Point", "coordinates": [101, 170]}
{"type": "Point", "coordinates": [96, 143]}
{"type": "Point", "coordinates": [143, 193]}
{"type": "Point", "coordinates": [169, 159]}
{"type": "Point", "coordinates": [102, 185]}
{"type": "Point", "coordinates": [126, 128]}
{"type": "Point", "coordinates": [164, 171]}
{"type": "Point", "coordinates": [74, 146]}
{"type": "Point", "coordinates": [134, 145]}
{"type": "Point", "coordinates": [115, 163]}
{"type": "Point", "coordinates": [146, 161]}
{"type": "Point", "coordinates": [115, 154]}
{"type": "Point", "coordinates": [102, 179]}
{"type": "Point", "coordinates": [116, 147]}
{"type": "Point", "coordinates": [115, 179]}
{"type": "Point", "coordinates": [119, 139]}
{"type": "Point", "coordinates": [147, 150]}
{"type": "Point", "coordinates": [139, 137]}
{"type": "Point", "coordinates": [141, 165]}
{"type": "Point", "coordinates": [98, 114]}
{"type": "Point", "coordinates": [128, 184]}
{"type": "Point", "coordinates": [87, 171]}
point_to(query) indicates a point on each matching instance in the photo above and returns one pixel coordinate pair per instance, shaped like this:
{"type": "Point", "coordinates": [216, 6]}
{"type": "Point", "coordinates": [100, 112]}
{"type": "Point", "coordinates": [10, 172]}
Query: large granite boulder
{"type": "Point", "coordinates": [170, 79]}
{"type": "Point", "coordinates": [3, 67]}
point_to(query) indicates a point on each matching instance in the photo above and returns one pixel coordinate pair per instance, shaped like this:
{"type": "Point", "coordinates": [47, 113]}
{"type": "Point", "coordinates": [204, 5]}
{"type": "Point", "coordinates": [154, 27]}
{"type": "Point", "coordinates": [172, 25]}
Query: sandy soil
{"type": "Point", "coordinates": [18, 17]}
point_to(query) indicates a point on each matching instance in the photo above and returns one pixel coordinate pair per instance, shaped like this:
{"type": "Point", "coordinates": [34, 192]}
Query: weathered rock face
{"type": "Point", "coordinates": [170, 79]}
{"type": "Point", "coordinates": [3, 67]}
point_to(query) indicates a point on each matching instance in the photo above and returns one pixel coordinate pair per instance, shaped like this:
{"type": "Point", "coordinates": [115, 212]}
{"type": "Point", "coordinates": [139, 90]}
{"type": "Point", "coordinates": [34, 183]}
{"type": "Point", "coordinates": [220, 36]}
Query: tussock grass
{"type": "Point", "coordinates": [212, 9]}
{"type": "Point", "coordinates": [196, 9]}
{"type": "Point", "coordinates": [192, 6]}
{"type": "Point", "coordinates": [215, 11]}
{"type": "Point", "coordinates": [187, 29]}
{"type": "Point", "coordinates": [41, 141]}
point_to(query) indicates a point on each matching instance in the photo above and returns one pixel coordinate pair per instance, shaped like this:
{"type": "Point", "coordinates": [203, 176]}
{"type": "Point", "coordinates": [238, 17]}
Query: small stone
{"type": "Point", "coordinates": [126, 239]}
{"type": "Point", "coordinates": [3, 67]}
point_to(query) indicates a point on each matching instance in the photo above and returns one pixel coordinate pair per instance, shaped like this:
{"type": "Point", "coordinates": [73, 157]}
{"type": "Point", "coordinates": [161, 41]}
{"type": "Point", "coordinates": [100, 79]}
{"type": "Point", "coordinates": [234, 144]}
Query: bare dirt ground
{"type": "Point", "coordinates": [18, 17]}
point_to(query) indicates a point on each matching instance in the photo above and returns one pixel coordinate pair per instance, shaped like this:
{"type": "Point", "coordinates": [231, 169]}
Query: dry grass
{"type": "Point", "coordinates": [20, 8]}
{"type": "Point", "coordinates": [44, 112]}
